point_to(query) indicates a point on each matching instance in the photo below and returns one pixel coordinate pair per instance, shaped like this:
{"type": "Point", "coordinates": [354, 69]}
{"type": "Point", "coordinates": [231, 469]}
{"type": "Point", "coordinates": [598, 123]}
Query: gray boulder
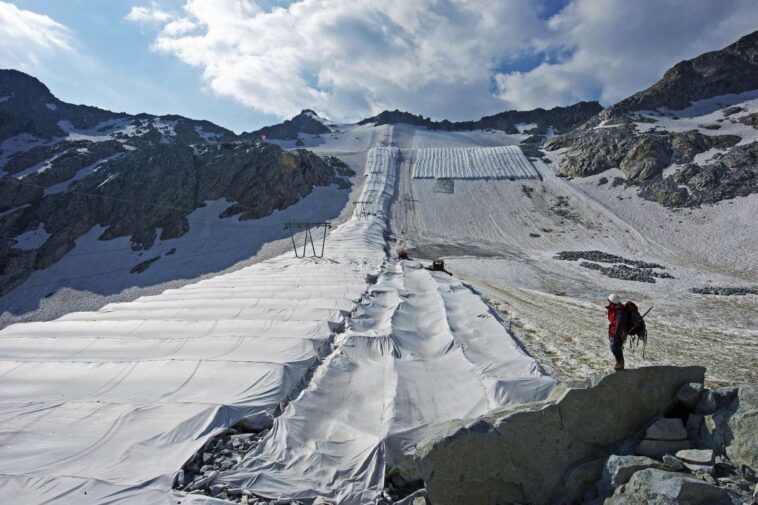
{"type": "Point", "coordinates": [666, 429]}
{"type": "Point", "coordinates": [689, 394]}
{"type": "Point", "coordinates": [662, 487]}
{"type": "Point", "coordinates": [742, 448]}
{"type": "Point", "coordinates": [673, 463]}
{"type": "Point", "coordinates": [697, 456]}
{"type": "Point", "coordinates": [619, 469]}
{"type": "Point", "coordinates": [527, 453]}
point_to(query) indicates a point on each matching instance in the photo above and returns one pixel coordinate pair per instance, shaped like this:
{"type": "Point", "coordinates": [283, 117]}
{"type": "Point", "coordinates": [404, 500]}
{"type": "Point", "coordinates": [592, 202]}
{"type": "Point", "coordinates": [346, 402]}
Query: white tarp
{"type": "Point", "coordinates": [105, 407]}
{"type": "Point", "coordinates": [422, 348]}
{"type": "Point", "coordinates": [501, 162]}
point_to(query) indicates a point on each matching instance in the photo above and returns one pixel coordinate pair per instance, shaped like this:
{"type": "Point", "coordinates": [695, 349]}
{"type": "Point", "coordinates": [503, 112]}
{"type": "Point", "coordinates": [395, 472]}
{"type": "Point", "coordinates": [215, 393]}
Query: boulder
{"type": "Point", "coordinates": [666, 429]}
{"type": "Point", "coordinates": [697, 456]}
{"type": "Point", "coordinates": [694, 424]}
{"type": "Point", "coordinates": [673, 463]}
{"type": "Point", "coordinates": [659, 486]}
{"type": "Point", "coordinates": [689, 394]}
{"type": "Point", "coordinates": [742, 449]}
{"type": "Point", "coordinates": [712, 400]}
{"type": "Point", "coordinates": [619, 469]}
{"type": "Point", "coordinates": [527, 453]}
{"type": "Point", "coordinates": [733, 430]}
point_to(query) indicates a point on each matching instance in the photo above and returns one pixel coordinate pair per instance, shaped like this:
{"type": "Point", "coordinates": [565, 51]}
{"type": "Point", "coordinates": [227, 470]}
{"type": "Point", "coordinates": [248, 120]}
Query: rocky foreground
{"type": "Point", "coordinates": [651, 435]}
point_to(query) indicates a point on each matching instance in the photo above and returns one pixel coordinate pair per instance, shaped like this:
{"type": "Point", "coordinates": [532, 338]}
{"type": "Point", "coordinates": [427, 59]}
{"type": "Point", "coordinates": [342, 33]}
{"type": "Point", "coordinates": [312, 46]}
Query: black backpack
{"type": "Point", "coordinates": [635, 324]}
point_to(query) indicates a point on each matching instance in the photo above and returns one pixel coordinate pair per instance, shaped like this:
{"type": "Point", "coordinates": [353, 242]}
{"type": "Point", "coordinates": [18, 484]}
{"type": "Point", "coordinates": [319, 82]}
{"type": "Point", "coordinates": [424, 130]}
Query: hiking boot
{"type": "Point", "coordinates": [619, 366]}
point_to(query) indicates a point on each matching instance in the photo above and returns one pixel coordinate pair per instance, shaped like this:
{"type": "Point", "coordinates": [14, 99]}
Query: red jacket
{"type": "Point", "coordinates": [617, 321]}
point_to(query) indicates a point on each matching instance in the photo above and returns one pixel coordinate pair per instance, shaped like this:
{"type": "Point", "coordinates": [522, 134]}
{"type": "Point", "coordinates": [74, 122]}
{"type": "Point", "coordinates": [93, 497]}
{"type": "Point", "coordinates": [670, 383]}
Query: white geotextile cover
{"type": "Point", "coordinates": [501, 162]}
{"type": "Point", "coordinates": [106, 406]}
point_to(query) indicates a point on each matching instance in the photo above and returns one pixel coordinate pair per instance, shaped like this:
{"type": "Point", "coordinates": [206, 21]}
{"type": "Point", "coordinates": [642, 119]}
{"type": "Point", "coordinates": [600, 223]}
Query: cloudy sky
{"type": "Point", "coordinates": [246, 63]}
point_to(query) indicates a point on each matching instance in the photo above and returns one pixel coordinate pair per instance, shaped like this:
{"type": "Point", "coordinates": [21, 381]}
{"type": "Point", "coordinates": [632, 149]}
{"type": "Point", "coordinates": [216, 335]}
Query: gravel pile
{"type": "Point", "coordinates": [221, 454]}
{"type": "Point", "coordinates": [627, 273]}
{"type": "Point", "coordinates": [602, 257]}
{"type": "Point", "coordinates": [724, 291]}
{"type": "Point", "coordinates": [617, 267]}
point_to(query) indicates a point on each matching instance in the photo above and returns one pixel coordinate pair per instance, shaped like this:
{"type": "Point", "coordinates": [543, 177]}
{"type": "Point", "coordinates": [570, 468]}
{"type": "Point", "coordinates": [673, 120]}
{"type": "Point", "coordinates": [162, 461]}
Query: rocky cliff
{"type": "Point", "coordinates": [68, 168]}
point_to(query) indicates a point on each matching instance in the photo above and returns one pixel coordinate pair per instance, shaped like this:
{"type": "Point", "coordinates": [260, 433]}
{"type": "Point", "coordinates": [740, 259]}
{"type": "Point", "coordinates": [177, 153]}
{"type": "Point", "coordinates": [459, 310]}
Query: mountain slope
{"type": "Point", "coordinates": [67, 169]}
{"type": "Point", "coordinates": [704, 153]}
{"type": "Point", "coordinates": [733, 69]}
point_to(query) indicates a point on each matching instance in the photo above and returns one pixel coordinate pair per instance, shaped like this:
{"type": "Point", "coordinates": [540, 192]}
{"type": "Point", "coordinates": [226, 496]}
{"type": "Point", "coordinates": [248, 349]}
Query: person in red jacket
{"type": "Point", "coordinates": [616, 329]}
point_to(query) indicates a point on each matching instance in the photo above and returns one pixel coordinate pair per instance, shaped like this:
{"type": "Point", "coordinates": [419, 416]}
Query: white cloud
{"type": "Point", "coordinates": [27, 37]}
{"type": "Point", "coordinates": [148, 14]}
{"type": "Point", "coordinates": [620, 47]}
{"type": "Point", "coordinates": [444, 58]}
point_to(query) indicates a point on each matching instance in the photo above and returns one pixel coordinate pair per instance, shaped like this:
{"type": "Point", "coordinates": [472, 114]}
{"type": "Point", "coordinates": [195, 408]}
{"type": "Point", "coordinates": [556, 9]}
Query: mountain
{"type": "Point", "coordinates": [733, 69]}
{"type": "Point", "coordinates": [698, 124]}
{"type": "Point", "coordinates": [68, 169]}
{"type": "Point", "coordinates": [535, 122]}
{"type": "Point", "coordinates": [305, 122]}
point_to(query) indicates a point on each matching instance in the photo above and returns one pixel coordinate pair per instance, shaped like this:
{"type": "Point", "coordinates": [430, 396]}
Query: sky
{"type": "Point", "coordinates": [244, 64]}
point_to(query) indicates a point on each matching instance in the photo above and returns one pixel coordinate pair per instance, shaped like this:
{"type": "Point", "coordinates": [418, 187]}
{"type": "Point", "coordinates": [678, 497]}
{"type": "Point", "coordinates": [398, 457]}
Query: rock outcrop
{"type": "Point", "coordinates": [540, 453]}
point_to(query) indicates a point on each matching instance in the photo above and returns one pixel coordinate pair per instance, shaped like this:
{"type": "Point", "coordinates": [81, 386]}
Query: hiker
{"type": "Point", "coordinates": [617, 329]}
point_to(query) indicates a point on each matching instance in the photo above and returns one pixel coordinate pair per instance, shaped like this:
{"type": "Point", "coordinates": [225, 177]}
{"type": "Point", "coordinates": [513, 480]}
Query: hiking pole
{"type": "Point", "coordinates": [644, 342]}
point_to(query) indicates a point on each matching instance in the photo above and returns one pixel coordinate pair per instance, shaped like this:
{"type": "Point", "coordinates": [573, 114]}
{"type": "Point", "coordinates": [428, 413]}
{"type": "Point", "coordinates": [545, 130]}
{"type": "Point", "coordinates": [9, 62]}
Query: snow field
{"type": "Point", "coordinates": [501, 162]}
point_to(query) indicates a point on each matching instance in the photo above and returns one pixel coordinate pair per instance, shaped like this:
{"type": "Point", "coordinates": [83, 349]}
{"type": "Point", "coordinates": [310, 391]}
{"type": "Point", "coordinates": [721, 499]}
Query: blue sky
{"type": "Point", "coordinates": [245, 63]}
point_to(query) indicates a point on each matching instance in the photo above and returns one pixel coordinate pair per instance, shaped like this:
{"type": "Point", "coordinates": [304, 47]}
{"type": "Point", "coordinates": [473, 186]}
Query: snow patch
{"type": "Point", "coordinates": [51, 106]}
{"type": "Point", "coordinates": [5, 98]}
{"type": "Point", "coordinates": [80, 174]}
{"type": "Point", "coordinates": [207, 136]}
{"type": "Point", "coordinates": [525, 127]}
{"type": "Point", "coordinates": [32, 239]}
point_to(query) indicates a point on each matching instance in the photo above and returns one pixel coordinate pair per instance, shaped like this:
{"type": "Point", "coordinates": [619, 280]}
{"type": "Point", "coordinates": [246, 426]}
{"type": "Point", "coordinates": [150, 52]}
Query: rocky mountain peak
{"type": "Point", "coordinates": [733, 69]}
{"type": "Point", "coordinates": [20, 86]}
{"type": "Point", "coordinates": [306, 122]}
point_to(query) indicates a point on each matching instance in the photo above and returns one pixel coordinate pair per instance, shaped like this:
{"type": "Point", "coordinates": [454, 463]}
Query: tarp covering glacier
{"type": "Point", "coordinates": [106, 406]}
{"type": "Point", "coordinates": [500, 162]}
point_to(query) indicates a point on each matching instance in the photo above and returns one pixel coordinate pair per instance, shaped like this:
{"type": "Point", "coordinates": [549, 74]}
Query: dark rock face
{"type": "Point", "coordinates": [562, 119]}
{"type": "Point", "coordinates": [729, 175]}
{"type": "Point", "coordinates": [305, 122]}
{"type": "Point", "coordinates": [733, 69]}
{"type": "Point", "coordinates": [641, 156]}
{"type": "Point", "coordinates": [129, 174]}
